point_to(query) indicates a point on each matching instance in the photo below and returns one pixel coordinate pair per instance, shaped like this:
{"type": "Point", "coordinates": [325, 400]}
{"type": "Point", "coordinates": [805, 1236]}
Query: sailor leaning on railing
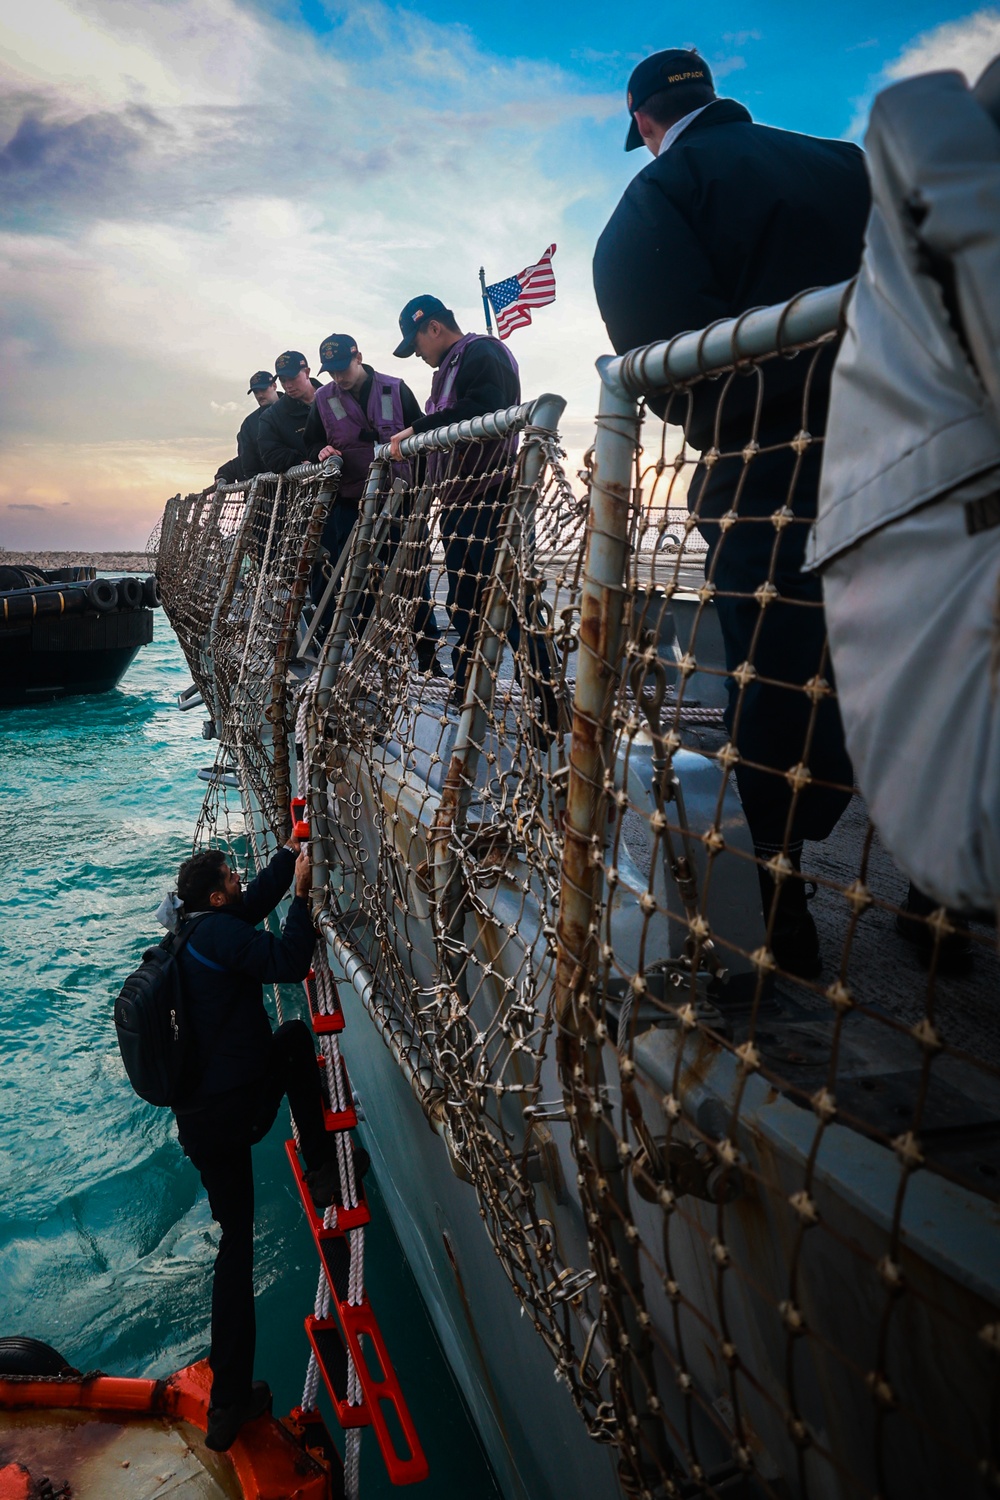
{"type": "Point", "coordinates": [729, 216]}
{"type": "Point", "coordinates": [281, 433]}
{"type": "Point", "coordinates": [360, 408]}
{"type": "Point", "coordinates": [263, 387]}
{"type": "Point", "coordinates": [473, 375]}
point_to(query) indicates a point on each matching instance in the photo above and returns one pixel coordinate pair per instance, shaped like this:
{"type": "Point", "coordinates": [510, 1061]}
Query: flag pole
{"type": "Point", "coordinates": [486, 301]}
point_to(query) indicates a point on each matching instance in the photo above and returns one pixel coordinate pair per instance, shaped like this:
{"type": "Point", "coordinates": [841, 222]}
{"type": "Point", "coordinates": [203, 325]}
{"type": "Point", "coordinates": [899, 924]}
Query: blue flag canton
{"type": "Point", "coordinates": [503, 293]}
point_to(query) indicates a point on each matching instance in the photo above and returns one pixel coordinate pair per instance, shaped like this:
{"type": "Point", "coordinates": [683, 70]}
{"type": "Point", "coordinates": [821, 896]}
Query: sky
{"type": "Point", "coordinates": [188, 187]}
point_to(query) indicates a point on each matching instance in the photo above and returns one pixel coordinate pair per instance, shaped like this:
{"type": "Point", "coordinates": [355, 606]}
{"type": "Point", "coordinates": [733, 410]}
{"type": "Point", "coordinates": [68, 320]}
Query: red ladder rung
{"type": "Point", "coordinates": [342, 1119]}
{"type": "Point", "coordinates": [357, 1322]}
{"type": "Point", "coordinates": [347, 1218]}
{"type": "Point", "coordinates": [331, 1355]}
{"type": "Point", "coordinates": [330, 1340]}
{"type": "Point", "coordinates": [322, 1024]}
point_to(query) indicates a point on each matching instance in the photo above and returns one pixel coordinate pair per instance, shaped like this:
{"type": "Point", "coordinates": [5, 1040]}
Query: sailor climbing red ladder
{"type": "Point", "coordinates": [343, 1316]}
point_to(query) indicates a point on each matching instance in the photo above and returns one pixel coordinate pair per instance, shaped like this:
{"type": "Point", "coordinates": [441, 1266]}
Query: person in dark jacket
{"type": "Point", "coordinates": [474, 374]}
{"type": "Point", "coordinates": [247, 461]}
{"type": "Point", "coordinates": [359, 408]}
{"type": "Point", "coordinates": [732, 215]}
{"type": "Point", "coordinates": [246, 1070]}
{"type": "Point", "coordinates": [282, 427]}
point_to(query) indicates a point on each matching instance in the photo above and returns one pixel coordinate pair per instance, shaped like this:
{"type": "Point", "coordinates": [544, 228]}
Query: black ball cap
{"type": "Point", "coordinates": [288, 365]}
{"type": "Point", "coordinates": [675, 68]}
{"type": "Point", "coordinates": [417, 311]}
{"type": "Point", "coordinates": [260, 380]}
{"type": "Point", "coordinates": [337, 352]}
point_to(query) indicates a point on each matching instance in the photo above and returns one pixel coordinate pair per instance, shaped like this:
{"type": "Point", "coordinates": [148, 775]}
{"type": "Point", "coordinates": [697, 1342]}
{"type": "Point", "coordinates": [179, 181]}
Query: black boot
{"type": "Point", "coordinates": [954, 952]}
{"type": "Point", "coordinates": [224, 1422]}
{"type": "Point", "coordinates": [794, 939]}
{"type": "Point", "coordinates": [324, 1182]}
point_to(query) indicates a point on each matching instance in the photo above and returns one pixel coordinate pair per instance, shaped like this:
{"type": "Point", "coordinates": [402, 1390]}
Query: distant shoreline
{"type": "Point", "coordinates": [104, 562]}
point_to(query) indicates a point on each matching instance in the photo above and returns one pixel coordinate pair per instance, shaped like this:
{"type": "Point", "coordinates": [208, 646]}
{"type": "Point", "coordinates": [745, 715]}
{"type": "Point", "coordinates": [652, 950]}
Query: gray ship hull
{"type": "Point", "coordinates": [533, 1436]}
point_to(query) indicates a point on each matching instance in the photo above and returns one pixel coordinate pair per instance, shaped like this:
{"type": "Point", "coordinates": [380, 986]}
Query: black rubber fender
{"type": "Point", "coordinates": [130, 593]}
{"type": "Point", "coordinates": [20, 578]}
{"type": "Point", "coordinates": [102, 595]}
{"type": "Point", "coordinates": [151, 595]}
{"type": "Point", "coordinates": [20, 1355]}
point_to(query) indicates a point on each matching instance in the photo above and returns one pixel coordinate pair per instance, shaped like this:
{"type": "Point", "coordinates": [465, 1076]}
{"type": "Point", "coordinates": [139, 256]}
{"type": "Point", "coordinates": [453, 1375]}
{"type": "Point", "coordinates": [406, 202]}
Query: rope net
{"type": "Point", "coordinates": [441, 796]}
{"type": "Point", "coordinates": [780, 1063]}
{"type": "Point", "coordinates": [727, 1091]}
{"type": "Point", "coordinates": [234, 568]}
{"type": "Point", "coordinates": [256, 547]}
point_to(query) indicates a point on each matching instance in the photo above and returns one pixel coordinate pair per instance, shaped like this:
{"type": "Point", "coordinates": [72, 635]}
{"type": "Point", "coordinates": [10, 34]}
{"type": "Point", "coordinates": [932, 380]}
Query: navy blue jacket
{"type": "Point", "coordinates": [247, 461]}
{"type": "Point", "coordinates": [224, 966]}
{"type": "Point", "coordinates": [734, 215]}
{"type": "Point", "coordinates": [281, 443]}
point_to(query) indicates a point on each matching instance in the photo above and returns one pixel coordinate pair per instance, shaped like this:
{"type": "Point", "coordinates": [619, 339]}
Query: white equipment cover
{"type": "Point", "coordinates": [908, 529]}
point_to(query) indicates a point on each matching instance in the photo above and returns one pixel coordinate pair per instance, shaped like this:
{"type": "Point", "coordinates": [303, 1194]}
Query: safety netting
{"type": "Point", "coordinates": [587, 842]}
{"type": "Point", "coordinates": [439, 796]}
{"type": "Point", "coordinates": [779, 1058]}
{"type": "Point", "coordinates": [235, 565]}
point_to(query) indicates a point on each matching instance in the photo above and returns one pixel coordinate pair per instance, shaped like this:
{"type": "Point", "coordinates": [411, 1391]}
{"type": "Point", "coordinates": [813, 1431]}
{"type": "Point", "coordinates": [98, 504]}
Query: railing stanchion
{"type": "Point", "coordinates": [580, 1047]}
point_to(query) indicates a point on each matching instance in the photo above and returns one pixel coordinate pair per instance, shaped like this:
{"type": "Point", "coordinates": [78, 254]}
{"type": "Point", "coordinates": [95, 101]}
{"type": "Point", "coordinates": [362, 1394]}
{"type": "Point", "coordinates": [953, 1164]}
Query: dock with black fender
{"type": "Point", "coordinates": [65, 631]}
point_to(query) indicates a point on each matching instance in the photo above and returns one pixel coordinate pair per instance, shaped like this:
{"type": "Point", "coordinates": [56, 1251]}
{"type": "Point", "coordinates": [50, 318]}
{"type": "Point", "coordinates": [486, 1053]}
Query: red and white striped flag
{"type": "Point", "coordinates": [514, 298]}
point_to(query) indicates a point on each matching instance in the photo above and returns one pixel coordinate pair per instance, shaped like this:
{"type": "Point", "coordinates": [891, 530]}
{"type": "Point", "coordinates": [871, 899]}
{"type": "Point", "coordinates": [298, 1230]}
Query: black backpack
{"type": "Point", "coordinates": [155, 1035]}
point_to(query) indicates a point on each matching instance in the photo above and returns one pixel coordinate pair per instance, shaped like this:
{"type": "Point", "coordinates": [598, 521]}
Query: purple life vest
{"type": "Point", "coordinates": [475, 458]}
{"type": "Point", "coordinates": [344, 421]}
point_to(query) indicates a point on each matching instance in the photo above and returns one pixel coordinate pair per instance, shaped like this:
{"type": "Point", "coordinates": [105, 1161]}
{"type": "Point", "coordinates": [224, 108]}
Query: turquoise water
{"type": "Point", "coordinates": [106, 1242]}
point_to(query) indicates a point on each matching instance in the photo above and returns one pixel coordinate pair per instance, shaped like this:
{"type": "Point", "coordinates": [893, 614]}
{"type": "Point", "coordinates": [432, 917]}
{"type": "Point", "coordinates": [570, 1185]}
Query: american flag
{"type": "Point", "coordinates": [514, 298]}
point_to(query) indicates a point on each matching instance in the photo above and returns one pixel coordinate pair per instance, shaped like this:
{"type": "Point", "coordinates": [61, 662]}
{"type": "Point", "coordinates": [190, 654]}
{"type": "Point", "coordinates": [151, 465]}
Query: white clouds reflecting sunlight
{"type": "Point", "coordinates": [189, 189]}
{"type": "Point", "coordinates": [967, 44]}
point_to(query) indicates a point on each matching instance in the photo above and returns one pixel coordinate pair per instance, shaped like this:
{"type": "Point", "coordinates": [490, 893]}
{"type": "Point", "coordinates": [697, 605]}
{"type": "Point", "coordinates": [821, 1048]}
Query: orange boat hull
{"type": "Point", "coordinates": [268, 1458]}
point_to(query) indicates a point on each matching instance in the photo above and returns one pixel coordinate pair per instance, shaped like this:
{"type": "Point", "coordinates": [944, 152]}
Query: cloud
{"type": "Point", "coordinates": [594, 55]}
{"type": "Point", "coordinates": [62, 165]}
{"type": "Point", "coordinates": [102, 54]}
{"type": "Point", "coordinates": [740, 38]}
{"type": "Point", "coordinates": [968, 44]}
{"type": "Point", "coordinates": [124, 484]}
{"type": "Point", "coordinates": [188, 187]}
